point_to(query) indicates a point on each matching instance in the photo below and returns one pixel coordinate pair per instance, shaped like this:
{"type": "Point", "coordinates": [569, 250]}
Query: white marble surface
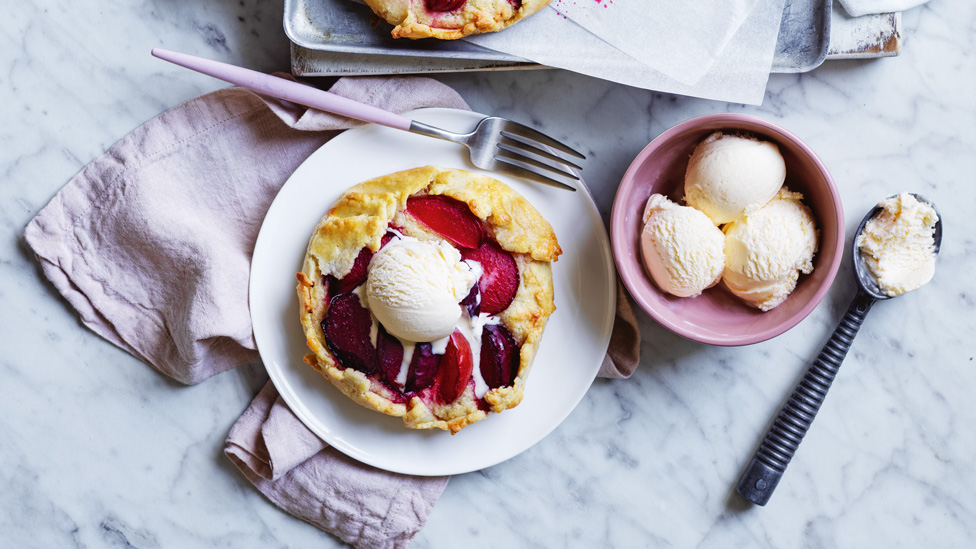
{"type": "Point", "coordinates": [98, 450]}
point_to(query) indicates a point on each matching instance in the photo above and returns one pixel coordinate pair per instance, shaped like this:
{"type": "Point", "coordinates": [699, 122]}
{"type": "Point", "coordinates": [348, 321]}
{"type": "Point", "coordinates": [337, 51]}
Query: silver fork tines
{"type": "Point", "coordinates": [529, 163]}
{"type": "Point", "coordinates": [501, 145]}
{"type": "Point", "coordinates": [529, 134]}
{"type": "Point", "coordinates": [516, 146]}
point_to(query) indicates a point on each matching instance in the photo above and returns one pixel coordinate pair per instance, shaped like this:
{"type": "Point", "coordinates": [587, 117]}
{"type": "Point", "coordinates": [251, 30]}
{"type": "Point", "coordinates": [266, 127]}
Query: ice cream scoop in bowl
{"type": "Point", "coordinates": [716, 316]}
{"type": "Point", "coordinates": [894, 251]}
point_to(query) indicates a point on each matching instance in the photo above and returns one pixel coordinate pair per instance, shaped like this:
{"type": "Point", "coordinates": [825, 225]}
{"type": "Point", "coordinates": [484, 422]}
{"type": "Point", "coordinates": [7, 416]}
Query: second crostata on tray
{"type": "Point", "coordinates": [452, 19]}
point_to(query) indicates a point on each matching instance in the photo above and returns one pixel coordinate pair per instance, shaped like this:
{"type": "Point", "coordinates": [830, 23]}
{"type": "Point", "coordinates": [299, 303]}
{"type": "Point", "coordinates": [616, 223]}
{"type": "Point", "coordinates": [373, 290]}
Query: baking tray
{"type": "Point", "coordinates": [804, 36]}
{"type": "Point", "coordinates": [347, 27]}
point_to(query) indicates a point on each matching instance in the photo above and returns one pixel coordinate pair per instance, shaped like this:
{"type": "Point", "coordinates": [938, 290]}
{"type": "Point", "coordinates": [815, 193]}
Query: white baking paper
{"type": "Point", "coordinates": [680, 39]}
{"type": "Point", "coordinates": [738, 74]}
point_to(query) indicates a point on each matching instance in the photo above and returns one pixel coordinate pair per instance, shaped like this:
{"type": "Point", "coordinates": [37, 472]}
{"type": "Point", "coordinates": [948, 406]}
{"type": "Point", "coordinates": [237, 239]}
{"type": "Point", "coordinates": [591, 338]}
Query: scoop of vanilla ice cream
{"type": "Point", "coordinates": [729, 176]}
{"type": "Point", "coordinates": [414, 288]}
{"type": "Point", "coordinates": [766, 251]}
{"type": "Point", "coordinates": [682, 249]}
{"type": "Point", "coordinates": [898, 244]}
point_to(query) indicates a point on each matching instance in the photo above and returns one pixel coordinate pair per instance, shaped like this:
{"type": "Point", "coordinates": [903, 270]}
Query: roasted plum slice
{"type": "Point", "coordinates": [455, 369]}
{"type": "Point", "coordinates": [499, 356]}
{"type": "Point", "coordinates": [449, 218]}
{"type": "Point", "coordinates": [360, 270]}
{"type": "Point", "coordinates": [346, 327]}
{"type": "Point", "coordinates": [499, 277]}
{"type": "Point", "coordinates": [473, 301]}
{"type": "Point", "coordinates": [444, 5]}
{"type": "Point", "coordinates": [355, 277]}
{"type": "Point", "coordinates": [389, 352]}
{"type": "Point", "coordinates": [423, 368]}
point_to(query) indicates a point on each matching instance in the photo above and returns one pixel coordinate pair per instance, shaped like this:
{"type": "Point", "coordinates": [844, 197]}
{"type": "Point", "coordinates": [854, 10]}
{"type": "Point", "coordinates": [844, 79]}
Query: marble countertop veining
{"type": "Point", "coordinates": [99, 450]}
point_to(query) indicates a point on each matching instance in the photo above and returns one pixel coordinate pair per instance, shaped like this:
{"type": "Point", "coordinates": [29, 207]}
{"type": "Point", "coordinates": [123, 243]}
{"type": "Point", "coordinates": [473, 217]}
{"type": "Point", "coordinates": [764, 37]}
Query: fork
{"type": "Point", "coordinates": [496, 144]}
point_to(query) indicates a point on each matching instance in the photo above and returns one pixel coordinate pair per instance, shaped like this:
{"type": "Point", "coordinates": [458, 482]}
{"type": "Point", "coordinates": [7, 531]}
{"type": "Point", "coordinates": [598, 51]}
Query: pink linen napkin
{"type": "Point", "coordinates": [152, 242]}
{"type": "Point", "coordinates": [297, 471]}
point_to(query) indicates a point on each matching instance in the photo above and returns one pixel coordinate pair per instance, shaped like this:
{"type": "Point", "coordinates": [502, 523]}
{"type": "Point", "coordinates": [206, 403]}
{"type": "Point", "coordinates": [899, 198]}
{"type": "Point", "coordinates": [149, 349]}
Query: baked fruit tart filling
{"type": "Point", "coordinates": [452, 19]}
{"type": "Point", "coordinates": [424, 294]}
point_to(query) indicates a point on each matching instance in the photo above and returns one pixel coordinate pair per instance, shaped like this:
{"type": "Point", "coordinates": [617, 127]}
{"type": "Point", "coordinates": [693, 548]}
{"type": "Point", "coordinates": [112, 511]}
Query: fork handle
{"type": "Point", "coordinates": [285, 89]}
{"type": "Point", "coordinates": [433, 131]}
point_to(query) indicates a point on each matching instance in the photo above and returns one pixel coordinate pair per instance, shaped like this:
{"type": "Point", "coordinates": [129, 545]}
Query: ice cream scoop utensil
{"type": "Point", "coordinates": [767, 467]}
{"type": "Point", "coordinates": [496, 144]}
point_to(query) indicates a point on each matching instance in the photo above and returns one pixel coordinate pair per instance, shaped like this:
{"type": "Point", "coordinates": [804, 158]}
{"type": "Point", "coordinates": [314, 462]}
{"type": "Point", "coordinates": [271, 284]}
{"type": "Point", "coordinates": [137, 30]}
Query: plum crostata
{"type": "Point", "coordinates": [452, 19]}
{"type": "Point", "coordinates": [424, 294]}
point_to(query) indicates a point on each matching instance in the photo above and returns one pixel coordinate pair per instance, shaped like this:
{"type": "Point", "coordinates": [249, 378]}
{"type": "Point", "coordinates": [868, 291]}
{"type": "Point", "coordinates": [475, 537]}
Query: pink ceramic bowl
{"type": "Point", "coordinates": [717, 317]}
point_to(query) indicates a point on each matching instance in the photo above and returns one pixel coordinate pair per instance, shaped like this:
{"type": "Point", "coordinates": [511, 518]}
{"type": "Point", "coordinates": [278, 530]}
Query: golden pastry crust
{"type": "Point", "coordinates": [361, 217]}
{"type": "Point", "coordinates": [412, 18]}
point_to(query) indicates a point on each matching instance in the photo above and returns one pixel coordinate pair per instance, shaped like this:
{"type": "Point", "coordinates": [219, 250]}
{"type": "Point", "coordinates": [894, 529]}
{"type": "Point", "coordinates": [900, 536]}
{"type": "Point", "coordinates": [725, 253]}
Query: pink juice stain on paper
{"type": "Point", "coordinates": [601, 3]}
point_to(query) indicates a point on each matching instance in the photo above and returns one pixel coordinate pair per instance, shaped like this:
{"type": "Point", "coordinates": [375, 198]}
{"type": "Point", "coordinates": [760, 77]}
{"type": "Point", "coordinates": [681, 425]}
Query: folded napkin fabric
{"type": "Point", "coordinates": [152, 243]}
{"type": "Point", "coordinates": [361, 505]}
{"type": "Point", "coordinates": [857, 8]}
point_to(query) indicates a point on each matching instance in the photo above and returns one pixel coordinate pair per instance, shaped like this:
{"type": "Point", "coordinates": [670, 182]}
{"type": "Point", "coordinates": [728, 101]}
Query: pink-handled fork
{"type": "Point", "coordinates": [496, 144]}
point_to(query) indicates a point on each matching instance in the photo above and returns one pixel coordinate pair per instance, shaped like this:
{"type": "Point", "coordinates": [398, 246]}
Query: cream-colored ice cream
{"type": "Point", "coordinates": [414, 288]}
{"type": "Point", "coordinates": [730, 175]}
{"type": "Point", "coordinates": [898, 244]}
{"type": "Point", "coordinates": [682, 248]}
{"type": "Point", "coordinates": [766, 250]}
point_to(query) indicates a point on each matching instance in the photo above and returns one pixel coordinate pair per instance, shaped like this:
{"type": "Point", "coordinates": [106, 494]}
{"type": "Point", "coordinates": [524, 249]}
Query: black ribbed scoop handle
{"type": "Point", "coordinates": [783, 439]}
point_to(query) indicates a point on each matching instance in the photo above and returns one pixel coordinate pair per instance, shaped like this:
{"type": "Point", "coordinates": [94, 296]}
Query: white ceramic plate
{"type": "Point", "coordinates": [569, 356]}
